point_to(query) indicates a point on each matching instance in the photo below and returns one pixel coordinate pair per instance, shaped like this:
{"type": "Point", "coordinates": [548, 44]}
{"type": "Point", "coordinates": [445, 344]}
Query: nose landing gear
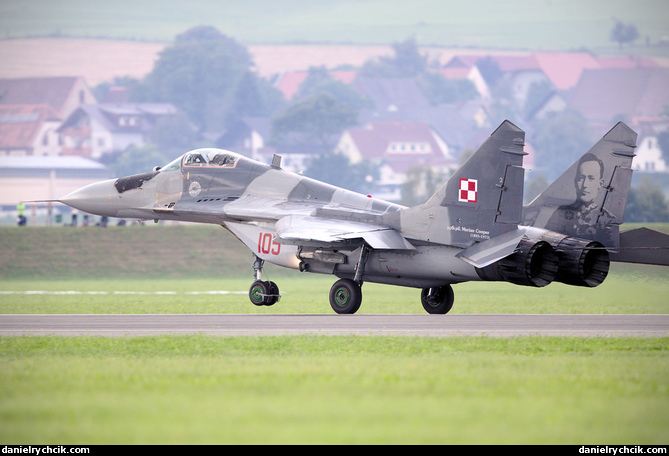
{"type": "Point", "coordinates": [263, 293]}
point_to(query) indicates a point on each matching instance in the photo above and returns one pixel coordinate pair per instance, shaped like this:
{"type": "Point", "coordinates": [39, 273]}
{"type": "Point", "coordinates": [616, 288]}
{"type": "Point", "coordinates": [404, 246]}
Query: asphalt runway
{"type": "Point", "coordinates": [387, 325]}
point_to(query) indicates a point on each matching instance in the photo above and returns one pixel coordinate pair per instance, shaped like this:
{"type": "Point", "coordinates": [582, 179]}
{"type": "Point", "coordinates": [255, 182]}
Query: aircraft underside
{"type": "Point", "coordinates": [432, 268]}
{"type": "Point", "coordinates": [538, 260]}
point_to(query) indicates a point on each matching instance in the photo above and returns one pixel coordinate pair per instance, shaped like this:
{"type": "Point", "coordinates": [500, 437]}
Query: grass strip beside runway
{"type": "Point", "coordinates": [641, 291]}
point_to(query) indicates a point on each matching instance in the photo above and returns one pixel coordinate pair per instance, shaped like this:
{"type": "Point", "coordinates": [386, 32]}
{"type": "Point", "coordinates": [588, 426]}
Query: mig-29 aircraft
{"type": "Point", "coordinates": [473, 228]}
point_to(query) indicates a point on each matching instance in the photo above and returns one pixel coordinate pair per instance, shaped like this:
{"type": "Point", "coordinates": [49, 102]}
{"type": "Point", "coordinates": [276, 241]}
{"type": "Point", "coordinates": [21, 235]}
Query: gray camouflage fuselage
{"type": "Point", "coordinates": [249, 199]}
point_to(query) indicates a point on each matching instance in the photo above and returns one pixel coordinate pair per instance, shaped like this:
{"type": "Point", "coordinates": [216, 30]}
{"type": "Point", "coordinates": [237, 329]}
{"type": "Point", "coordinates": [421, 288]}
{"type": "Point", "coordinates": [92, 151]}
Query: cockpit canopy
{"type": "Point", "coordinates": [211, 158]}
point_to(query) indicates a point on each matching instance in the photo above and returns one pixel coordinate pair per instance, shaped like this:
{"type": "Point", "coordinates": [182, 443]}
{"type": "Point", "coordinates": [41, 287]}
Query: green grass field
{"type": "Point", "coordinates": [307, 389]}
{"type": "Point", "coordinates": [333, 390]}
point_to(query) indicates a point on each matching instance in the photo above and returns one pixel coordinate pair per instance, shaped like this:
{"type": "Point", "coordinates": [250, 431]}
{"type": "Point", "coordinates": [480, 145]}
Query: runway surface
{"type": "Point", "coordinates": [396, 325]}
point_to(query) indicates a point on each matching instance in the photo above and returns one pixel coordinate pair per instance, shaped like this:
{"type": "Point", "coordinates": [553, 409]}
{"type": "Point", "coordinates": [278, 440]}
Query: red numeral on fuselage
{"type": "Point", "coordinates": [267, 244]}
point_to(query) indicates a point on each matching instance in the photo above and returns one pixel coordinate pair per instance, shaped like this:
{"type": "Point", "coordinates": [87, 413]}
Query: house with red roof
{"type": "Point", "coordinates": [28, 130]}
{"type": "Point", "coordinates": [561, 70]}
{"type": "Point", "coordinates": [32, 109]}
{"type": "Point", "coordinates": [604, 96]}
{"type": "Point", "coordinates": [396, 147]}
{"type": "Point", "coordinates": [63, 93]}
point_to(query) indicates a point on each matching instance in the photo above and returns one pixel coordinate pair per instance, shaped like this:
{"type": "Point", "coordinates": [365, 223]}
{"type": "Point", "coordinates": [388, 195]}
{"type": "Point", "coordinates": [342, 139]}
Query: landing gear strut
{"type": "Point", "coordinates": [262, 293]}
{"type": "Point", "coordinates": [346, 294]}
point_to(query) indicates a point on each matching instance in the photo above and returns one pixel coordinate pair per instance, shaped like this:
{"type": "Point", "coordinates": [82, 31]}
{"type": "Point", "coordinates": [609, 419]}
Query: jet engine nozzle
{"type": "Point", "coordinates": [582, 263]}
{"type": "Point", "coordinates": [533, 264]}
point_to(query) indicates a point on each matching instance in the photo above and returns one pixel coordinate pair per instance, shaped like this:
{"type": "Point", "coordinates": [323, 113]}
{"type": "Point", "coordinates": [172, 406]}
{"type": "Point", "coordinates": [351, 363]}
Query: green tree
{"type": "Point", "coordinates": [439, 89]}
{"type": "Point", "coordinates": [206, 75]}
{"type": "Point", "coordinates": [173, 136]}
{"type": "Point", "coordinates": [318, 119]}
{"type": "Point", "coordinates": [136, 160]}
{"type": "Point", "coordinates": [319, 81]}
{"type": "Point", "coordinates": [407, 61]}
{"type": "Point", "coordinates": [337, 169]}
{"type": "Point", "coordinates": [623, 33]}
{"type": "Point", "coordinates": [421, 182]}
{"type": "Point", "coordinates": [559, 140]}
{"type": "Point", "coordinates": [535, 187]}
{"type": "Point", "coordinates": [646, 203]}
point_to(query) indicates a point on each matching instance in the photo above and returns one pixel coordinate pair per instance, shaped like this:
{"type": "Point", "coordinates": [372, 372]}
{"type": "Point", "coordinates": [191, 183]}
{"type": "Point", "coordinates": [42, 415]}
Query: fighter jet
{"type": "Point", "coordinates": [474, 228]}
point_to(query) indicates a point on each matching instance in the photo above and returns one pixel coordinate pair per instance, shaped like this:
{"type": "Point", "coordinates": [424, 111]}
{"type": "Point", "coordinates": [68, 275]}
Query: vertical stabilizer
{"type": "Point", "coordinates": [481, 200]}
{"type": "Point", "coordinates": [588, 200]}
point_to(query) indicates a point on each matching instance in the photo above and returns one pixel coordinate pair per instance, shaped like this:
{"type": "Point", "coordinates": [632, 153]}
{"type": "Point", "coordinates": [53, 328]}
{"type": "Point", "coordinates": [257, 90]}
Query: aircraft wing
{"type": "Point", "coordinates": [306, 228]}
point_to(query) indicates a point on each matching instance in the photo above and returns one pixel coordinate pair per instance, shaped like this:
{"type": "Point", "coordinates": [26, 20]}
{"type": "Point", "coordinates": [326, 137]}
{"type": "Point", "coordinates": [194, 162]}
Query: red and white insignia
{"type": "Point", "coordinates": [468, 190]}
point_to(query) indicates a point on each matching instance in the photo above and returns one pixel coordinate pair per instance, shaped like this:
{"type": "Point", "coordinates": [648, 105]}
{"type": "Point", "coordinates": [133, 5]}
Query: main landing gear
{"type": "Point", "coordinates": [346, 297]}
{"type": "Point", "coordinates": [437, 300]}
{"type": "Point", "coordinates": [263, 293]}
{"type": "Point", "coordinates": [346, 294]}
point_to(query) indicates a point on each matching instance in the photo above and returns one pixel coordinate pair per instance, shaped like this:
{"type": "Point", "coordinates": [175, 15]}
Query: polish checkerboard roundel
{"type": "Point", "coordinates": [468, 190]}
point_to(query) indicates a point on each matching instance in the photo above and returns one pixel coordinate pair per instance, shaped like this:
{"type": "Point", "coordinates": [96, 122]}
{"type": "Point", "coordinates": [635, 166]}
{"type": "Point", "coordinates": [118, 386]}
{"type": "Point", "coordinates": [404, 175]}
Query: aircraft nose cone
{"type": "Point", "coordinates": [97, 198]}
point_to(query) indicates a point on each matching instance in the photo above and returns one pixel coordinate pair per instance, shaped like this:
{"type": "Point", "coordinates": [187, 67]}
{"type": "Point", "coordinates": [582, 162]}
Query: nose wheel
{"type": "Point", "coordinates": [263, 293]}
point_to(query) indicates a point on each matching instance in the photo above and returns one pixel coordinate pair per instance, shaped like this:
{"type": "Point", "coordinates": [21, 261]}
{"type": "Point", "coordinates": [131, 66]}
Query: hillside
{"type": "Point", "coordinates": [513, 24]}
{"type": "Point", "coordinates": [101, 40]}
{"type": "Point", "coordinates": [120, 252]}
{"type": "Point", "coordinates": [102, 60]}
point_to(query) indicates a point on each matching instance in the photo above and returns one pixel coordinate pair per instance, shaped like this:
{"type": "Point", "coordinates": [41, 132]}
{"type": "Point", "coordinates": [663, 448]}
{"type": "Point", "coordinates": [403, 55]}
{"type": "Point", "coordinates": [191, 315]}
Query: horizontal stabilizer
{"type": "Point", "coordinates": [487, 252]}
{"type": "Point", "coordinates": [321, 230]}
{"type": "Point", "coordinates": [643, 246]}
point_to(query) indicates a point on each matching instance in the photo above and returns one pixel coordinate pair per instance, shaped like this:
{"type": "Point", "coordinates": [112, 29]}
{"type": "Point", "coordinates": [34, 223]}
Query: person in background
{"type": "Point", "coordinates": [20, 209]}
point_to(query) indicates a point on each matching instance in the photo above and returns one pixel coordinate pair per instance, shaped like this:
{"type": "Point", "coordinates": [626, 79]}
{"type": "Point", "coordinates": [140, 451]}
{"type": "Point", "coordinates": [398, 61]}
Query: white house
{"type": "Point", "coordinates": [649, 157]}
{"type": "Point", "coordinates": [93, 130]}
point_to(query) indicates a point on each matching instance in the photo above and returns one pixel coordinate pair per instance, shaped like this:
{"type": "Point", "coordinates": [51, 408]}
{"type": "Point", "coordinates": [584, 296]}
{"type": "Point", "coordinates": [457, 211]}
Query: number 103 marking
{"type": "Point", "coordinates": [267, 244]}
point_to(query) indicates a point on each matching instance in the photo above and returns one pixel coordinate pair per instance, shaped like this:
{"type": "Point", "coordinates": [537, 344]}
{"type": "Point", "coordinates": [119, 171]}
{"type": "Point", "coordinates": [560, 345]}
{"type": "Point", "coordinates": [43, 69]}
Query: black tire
{"type": "Point", "coordinates": [345, 296]}
{"type": "Point", "coordinates": [258, 291]}
{"type": "Point", "coordinates": [274, 294]}
{"type": "Point", "coordinates": [437, 300]}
